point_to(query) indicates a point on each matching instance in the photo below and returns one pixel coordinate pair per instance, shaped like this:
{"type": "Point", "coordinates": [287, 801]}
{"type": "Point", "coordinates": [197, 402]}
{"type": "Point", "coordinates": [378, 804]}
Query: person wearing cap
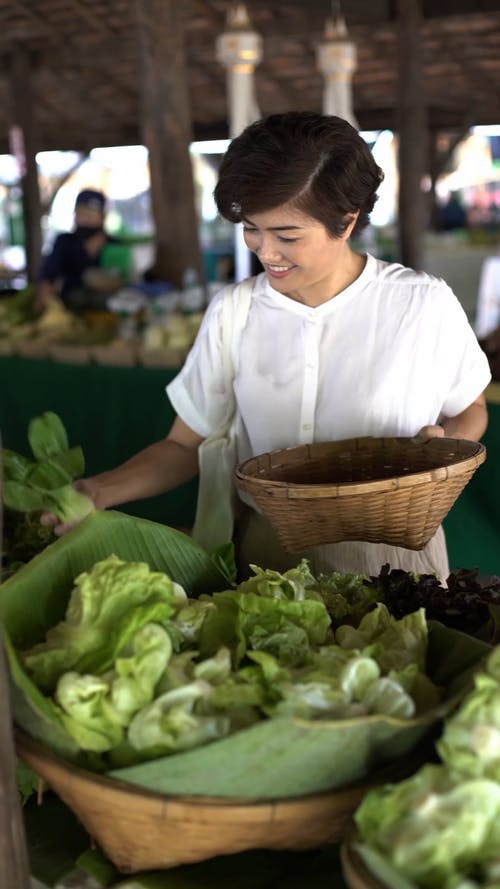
{"type": "Point", "coordinates": [72, 268]}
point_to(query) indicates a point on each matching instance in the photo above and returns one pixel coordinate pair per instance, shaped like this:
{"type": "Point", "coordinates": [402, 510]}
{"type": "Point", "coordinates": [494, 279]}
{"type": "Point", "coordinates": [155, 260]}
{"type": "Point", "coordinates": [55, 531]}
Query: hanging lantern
{"type": "Point", "coordinates": [239, 48]}
{"type": "Point", "coordinates": [336, 58]}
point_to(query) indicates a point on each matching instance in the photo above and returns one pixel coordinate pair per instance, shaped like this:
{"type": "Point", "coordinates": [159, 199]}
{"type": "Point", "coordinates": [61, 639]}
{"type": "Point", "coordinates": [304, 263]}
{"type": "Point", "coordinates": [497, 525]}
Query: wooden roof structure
{"type": "Point", "coordinates": [85, 60]}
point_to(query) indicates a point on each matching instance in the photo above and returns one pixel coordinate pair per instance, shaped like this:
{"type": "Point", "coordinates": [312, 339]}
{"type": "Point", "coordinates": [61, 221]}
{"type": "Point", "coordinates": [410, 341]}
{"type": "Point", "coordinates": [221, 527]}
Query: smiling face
{"type": "Point", "coordinates": [300, 257]}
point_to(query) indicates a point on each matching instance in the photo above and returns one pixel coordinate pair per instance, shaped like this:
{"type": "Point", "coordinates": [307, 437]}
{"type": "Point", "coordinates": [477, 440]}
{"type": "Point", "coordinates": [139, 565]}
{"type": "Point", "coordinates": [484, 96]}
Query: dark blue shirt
{"type": "Point", "coordinates": [68, 260]}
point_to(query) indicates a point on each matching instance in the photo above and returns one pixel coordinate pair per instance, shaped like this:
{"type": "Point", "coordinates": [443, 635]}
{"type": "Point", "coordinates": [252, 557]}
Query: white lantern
{"type": "Point", "coordinates": [239, 48]}
{"type": "Point", "coordinates": [336, 58]}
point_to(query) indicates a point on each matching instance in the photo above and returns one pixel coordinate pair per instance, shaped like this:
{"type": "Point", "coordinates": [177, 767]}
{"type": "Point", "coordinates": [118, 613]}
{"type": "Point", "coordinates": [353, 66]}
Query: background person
{"type": "Point", "coordinates": [337, 344]}
{"type": "Point", "coordinates": [72, 268]}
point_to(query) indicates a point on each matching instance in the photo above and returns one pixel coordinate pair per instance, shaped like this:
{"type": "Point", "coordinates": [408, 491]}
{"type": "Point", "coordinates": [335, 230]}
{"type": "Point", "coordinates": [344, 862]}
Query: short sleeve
{"type": "Point", "coordinates": [470, 371]}
{"type": "Point", "coordinates": [199, 393]}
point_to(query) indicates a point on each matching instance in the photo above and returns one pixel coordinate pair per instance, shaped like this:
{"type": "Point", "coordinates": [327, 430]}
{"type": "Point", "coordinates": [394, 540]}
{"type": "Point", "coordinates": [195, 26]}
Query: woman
{"type": "Point", "coordinates": [336, 344]}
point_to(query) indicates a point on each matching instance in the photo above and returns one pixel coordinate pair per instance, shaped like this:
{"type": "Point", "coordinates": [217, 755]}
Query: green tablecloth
{"type": "Point", "coordinates": [115, 411]}
{"type": "Point", "coordinates": [112, 412]}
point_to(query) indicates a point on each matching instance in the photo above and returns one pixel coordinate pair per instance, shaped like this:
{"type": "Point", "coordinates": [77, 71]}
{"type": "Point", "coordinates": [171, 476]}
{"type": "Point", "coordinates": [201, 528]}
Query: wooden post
{"type": "Point", "coordinates": [23, 119]}
{"type": "Point", "coordinates": [412, 127]}
{"type": "Point", "coordinates": [166, 132]}
{"type": "Point", "coordinates": [14, 866]}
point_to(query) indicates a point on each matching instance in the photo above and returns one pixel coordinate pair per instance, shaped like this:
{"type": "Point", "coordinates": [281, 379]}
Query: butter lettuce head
{"type": "Point", "coordinates": [399, 642]}
{"type": "Point", "coordinates": [138, 669]}
{"type": "Point", "coordinates": [470, 743]}
{"type": "Point", "coordinates": [87, 713]}
{"type": "Point", "coordinates": [295, 584]}
{"type": "Point", "coordinates": [108, 605]}
{"type": "Point", "coordinates": [283, 627]}
{"type": "Point", "coordinates": [171, 723]}
{"type": "Point", "coordinates": [433, 831]}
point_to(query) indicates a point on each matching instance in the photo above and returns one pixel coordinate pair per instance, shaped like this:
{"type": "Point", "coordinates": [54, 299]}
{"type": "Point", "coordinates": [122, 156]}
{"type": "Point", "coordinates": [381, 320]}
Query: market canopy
{"type": "Point", "coordinates": [85, 60]}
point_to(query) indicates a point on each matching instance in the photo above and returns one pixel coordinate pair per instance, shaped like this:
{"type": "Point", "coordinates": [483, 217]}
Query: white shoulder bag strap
{"type": "Point", "coordinates": [214, 520]}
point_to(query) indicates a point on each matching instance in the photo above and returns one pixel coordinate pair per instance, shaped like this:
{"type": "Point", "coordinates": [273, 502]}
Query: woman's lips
{"type": "Point", "coordinates": [279, 273]}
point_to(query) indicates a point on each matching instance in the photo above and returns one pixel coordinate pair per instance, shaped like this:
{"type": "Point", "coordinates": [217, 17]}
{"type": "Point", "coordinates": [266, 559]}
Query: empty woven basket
{"type": "Point", "coordinates": [383, 490]}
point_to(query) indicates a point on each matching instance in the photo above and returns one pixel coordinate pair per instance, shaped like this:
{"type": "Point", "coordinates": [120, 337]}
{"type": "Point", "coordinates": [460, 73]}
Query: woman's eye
{"type": "Point", "coordinates": [249, 231]}
{"type": "Point", "coordinates": [288, 240]}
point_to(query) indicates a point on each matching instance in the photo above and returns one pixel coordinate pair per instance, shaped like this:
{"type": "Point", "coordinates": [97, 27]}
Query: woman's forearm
{"type": "Point", "coordinates": [471, 423]}
{"type": "Point", "coordinates": [155, 470]}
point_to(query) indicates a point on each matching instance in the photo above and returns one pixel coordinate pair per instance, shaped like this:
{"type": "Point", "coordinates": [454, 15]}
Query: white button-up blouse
{"type": "Point", "coordinates": [391, 353]}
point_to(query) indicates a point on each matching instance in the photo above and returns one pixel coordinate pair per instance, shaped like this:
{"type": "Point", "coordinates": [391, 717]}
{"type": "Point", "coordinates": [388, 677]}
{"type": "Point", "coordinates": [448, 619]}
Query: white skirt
{"type": "Point", "coordinates": [257, 544]}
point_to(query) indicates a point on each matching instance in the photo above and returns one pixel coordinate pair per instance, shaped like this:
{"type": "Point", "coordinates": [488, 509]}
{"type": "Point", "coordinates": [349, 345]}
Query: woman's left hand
{"type": "Point", "coordinates": [428, 432]}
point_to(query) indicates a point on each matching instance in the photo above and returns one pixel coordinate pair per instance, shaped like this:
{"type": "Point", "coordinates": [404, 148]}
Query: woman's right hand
{"type": "Point", "coordinates": [87, 486]}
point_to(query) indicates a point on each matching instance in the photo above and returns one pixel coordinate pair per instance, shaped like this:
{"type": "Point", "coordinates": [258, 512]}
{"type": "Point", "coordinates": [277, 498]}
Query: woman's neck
{"type": "Point", "coordinates": [342, 276]}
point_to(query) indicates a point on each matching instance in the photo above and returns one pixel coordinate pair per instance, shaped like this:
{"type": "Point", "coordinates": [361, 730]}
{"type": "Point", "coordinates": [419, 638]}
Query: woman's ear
{"type": "Point", "coordinates": [352, 223]}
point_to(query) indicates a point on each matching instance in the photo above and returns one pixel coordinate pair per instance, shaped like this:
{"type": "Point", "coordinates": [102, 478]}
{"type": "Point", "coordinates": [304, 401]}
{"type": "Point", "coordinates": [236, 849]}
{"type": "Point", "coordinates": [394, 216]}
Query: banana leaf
{"type": "Point", "coordinates": [274, 758]}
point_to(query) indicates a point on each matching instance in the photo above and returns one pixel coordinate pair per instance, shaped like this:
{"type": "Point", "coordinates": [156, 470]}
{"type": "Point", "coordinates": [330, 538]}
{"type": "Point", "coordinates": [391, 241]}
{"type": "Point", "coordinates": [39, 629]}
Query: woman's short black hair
{"type": "Point", "coordinates": [317, 163]}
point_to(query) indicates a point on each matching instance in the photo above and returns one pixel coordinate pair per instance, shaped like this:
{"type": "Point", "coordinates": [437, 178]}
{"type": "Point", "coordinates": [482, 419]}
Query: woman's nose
{"type": "Point", "coordinates": [268, 250]}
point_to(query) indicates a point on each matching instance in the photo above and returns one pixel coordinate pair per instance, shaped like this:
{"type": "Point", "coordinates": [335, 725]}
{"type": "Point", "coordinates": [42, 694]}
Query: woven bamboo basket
{"type": "Point", "coordinates": [355, 872]}
{"type": "Point", "coordinates": [383, 490]}
{"type": "Point", "coordinates": [141, 830]}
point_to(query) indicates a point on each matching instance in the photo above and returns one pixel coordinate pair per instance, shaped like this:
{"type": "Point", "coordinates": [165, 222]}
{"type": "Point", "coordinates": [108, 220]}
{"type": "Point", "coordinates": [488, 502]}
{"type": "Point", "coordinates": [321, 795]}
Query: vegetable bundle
{"type": "Point", "coordinates": [44, 483]}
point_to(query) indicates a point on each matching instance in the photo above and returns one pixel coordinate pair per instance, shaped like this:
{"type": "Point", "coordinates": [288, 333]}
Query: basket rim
{"type": "Point", "coordinates": [299, 490]}
{"type": "Point", "coordinates": [30, 746]}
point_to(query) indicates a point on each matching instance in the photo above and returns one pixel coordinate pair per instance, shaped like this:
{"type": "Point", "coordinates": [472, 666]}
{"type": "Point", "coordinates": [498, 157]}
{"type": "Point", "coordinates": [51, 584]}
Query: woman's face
{"type": "Point", "coordinates": [301, 259]}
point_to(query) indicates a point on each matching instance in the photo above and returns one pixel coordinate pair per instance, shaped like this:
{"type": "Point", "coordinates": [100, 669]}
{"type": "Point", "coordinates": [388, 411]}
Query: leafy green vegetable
{"type": "Point", "coordinates": [45, 484]}
{"type": "Point", "coordinates": [470, 743]}
{"type": "Point", "coordinates": [107, 606]}
{"type": "Point", "coordinates": [170, 723]}
{"type": "Point", "coordinates": [87, 713]}
{"type": "Point", "coordinates": [441, 827]}
{"type": "Point", "coordinates": [47, 436]}
{"type": "Point", "coordinates": [432, 830]}
{"type": "Point", "coordinates": [263, 662]}
{"type": "Point", "coordinates": [295, 584]}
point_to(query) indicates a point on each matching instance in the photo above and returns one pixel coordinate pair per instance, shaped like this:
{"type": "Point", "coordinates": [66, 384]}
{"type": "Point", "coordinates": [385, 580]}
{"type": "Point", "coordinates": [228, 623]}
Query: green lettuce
{"type": "Point", "coordinates": [45, 483]}
{"type": "Point", "coordinates": [283, 627]}
{"type": "Point", "coordinates": [108, 605]}
{"type": "Point", "coordinates": [470, 743]}
{"type": "Point", "coordinates": [433, 831]}
{"type": "Point", "coordinates": [170, 723]}
{"type": "Point", "coordinates": [87, 713]}
{"type": "Point", "coordinates": [397, 642]}
{"type": "Point", "coordinates": [138, 669]}
{"type": "Point", "coordinates": [295, 584]}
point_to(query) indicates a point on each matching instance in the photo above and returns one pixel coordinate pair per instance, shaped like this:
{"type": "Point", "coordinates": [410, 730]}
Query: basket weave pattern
{"type": "Point", "coordinates": [382, 490]}
{"type": "Point", "coordinates": [141, 830]}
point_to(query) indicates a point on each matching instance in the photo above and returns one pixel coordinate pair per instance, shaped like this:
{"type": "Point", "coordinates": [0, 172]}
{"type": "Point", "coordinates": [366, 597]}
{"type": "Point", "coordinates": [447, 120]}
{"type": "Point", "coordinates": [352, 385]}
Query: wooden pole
{"type": "Point", "coordinates": [23, 119]}
{"type": "Point", "coordinates": [14, 866]}
{"type": "Point", "coordinates": [412, 127]}
{"type": "Point", "coordinates": [166, 132]}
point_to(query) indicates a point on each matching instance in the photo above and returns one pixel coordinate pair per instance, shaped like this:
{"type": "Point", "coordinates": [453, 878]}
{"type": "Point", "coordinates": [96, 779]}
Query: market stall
{"type": "Point", "coordinates": [115, 411]}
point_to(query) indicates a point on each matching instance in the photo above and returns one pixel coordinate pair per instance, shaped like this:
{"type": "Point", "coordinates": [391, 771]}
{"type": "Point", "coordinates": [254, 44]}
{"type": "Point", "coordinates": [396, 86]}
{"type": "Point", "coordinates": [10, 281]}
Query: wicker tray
{"type": "Point", "coordinates": [383, 490]}
{"type": "Point", "coordinates": [141, 830]}
{"type": "Point", "coordinates": [355, 872]}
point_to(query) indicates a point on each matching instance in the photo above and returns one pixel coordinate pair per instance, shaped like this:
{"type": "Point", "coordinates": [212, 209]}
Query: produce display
{"type": "Point", "coordinates": [440, 829]}
{"type": "Point", "coordinates": [136, 669]}
{"type": "Point", "coordinates": [20, 323]}
{"type": "Point", "coordinates": [154, 334]}
{"type": "Point", "coordinates": [33, 486]}
{"type": "Point", "coordinates": [143, 670]}
{"type": "Point", "coordinates": [465, 603]}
